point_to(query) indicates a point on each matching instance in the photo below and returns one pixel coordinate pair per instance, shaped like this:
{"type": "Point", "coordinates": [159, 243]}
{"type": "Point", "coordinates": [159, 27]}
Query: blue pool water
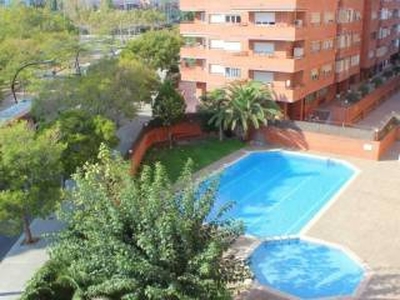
{"type": "Point", "coordinates": [306, 270]}
{"type": "Point", "coordinates": [277, 192]}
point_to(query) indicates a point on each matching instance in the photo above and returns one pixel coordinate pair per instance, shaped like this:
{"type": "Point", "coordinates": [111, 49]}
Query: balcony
{"type": "Point", "coordinates": [246, 59]}
{"type": "Point", "coordinates": [281, 32]}
{"type": "Point", "coordinates": [288, 94]}
{"type": "Point", "coordinates": [339, 77]}
{"type": "Point", "coordinates": [213, 5]}
{"type": "Point", "coordinates": [194, 74]}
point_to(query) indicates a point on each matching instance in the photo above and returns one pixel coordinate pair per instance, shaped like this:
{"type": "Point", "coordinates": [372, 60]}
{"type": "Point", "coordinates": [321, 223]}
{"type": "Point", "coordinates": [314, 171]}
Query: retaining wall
{"type": "Point", "coordinates": [159, 135]}
{"type": "Point", "coordinates": [304, 140]}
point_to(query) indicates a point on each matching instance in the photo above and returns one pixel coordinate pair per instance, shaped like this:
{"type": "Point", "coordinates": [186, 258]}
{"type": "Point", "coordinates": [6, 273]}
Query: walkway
{"type": "Point", "coordinates": [22, 261]}
{"type": "Point", "coordinates": [380, 115]}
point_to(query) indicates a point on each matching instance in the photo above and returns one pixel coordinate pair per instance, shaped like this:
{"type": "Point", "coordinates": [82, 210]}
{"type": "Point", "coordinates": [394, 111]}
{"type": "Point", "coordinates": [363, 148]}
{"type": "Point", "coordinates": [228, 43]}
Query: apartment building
{"type": "Point", "coordinates": [380, 35]}
{"type": "Point", "coordinates": [306, 51]}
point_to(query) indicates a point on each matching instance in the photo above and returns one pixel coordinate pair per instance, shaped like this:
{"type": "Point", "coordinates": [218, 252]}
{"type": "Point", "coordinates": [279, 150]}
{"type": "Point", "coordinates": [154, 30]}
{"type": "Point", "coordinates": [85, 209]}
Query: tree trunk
{"type": "Point", "coordinates": [221, 133]}
{"type": "Point", "coordinates": [170, 137]}
{"type": "Point", "coordinates": [27, 230]}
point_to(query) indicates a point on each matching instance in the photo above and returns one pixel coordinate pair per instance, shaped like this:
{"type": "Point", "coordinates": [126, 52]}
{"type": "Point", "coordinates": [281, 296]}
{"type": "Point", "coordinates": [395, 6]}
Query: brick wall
{"type": "Point", "coordinates": [159, 135]}
{"type": "Point", "coordinates": [334, 144]}
{"type": "Point", "coordinates": [352, 114]}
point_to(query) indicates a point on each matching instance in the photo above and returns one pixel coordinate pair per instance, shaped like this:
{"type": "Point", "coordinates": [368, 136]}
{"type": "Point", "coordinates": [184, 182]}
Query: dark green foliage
{"type": "Point", "coordinates": [353, 97]}
{"type": "Point", "coordinates": [48, 284]}
{"type": "Point", "coordinates": [396, 69]}
{"type": "Point", "coordinates": [30, 172]}
{"type": "Point", "coordinates": [364, 89]}
{"type": "Point", "coordinates": [240, 105]}
{"type": "Point", "coordinates": [112, 88]}
{"type": "Point", "coordinates": [83, 134]}
{"type": "Point", "coordinates": [169, 105]}
{"type": "Point", "coordinates": [136, 238]}
{"type": "Point", "coordinates": [388, 73]}
{"type": "Point", "coordinates": [377, 81]}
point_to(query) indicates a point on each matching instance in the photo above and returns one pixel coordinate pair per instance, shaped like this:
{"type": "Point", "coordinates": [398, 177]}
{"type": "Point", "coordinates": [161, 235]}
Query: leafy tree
{"type": "Point", "coordinates": [242, 104]}
{"type": "Point", "coordinates": [160, 49]}
{"type": "Point", "coordinates": [82, 134]}
{"type": "Point", "coordinates": [30, 170]}
{"type": "Point", "coordinates": [216, 102]}
{"type": "Point", "coordinates": [169, 106]}
{"type": "Point", "coordinates": [138, 238]}
{"type": "Point", "coordinates": [33, 34]}
{"type": "Point", "coordinates": [112, 88]}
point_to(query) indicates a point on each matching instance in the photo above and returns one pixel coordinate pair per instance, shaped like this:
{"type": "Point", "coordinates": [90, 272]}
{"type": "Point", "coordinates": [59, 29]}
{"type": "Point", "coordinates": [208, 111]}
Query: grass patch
{"type": "Point", "coordinates": [202, 153]}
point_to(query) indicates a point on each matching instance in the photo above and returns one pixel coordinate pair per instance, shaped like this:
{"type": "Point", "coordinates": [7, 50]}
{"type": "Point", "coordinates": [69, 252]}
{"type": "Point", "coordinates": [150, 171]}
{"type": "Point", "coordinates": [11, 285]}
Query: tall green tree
{"type": "Point", "coordinates": [159, 49]}
{"type": "Point", "coordinates": [33, 34]}
{"type": "Point", "coordinates": [113, 88]}
{"type": "Point", "coordinates": [30, 172]}
{"type": "Point", "coordinates": [242, 104]}
{"type": "Point", "coordinates": [140, 238]}
{"type": "Point", "coordinates": [83, 134]}
{"type": "Point", "coordinates": [169, 107]}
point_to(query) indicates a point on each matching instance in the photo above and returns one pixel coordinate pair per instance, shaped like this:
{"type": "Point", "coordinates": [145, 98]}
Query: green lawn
{"type": "Point", "coordinates": [202, 153]}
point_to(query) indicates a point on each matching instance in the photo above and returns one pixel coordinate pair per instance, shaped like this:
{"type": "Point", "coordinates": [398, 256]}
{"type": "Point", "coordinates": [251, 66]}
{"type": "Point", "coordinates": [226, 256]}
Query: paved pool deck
{"type": "Point", "coordinates": [365, 218]}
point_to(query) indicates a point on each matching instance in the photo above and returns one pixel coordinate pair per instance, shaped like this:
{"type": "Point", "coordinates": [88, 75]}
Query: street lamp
{"type": "Point", "coordinates": [20, 69]}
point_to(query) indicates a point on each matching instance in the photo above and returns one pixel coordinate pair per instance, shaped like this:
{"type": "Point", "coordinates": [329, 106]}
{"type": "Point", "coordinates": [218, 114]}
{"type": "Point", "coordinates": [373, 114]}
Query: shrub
{"type": "Point", "coordinates": [396, 70]}
{"type": "Point", "coordinates": [377, 81]}
{"type": "Point", "coordinates": [388, 73]}
{"type": "Point", "coordinates": [353, 97]}
{"type": "Point", "coordinates": [364, 89]}
{"type": "Point", "coordinates": [46, 284]}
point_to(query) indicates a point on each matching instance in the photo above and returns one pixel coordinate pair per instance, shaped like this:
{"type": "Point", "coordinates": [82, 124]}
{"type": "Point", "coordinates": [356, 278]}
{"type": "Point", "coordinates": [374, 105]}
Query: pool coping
{"type": "Point", "coordinates": [368, 273]}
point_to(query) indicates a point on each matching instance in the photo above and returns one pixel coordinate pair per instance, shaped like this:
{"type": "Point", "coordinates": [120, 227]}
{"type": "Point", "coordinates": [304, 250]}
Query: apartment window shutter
{"type": "Point", "coordinates": [265, 18]}
{"type": "Point", "coordinates": [264, 48]}
{"type": "Point", "coordinates": [217, 19]}
{"type": "Point", "coordinates": [265, 77]}
{"type": "Point", "coordinates": [217, 69]}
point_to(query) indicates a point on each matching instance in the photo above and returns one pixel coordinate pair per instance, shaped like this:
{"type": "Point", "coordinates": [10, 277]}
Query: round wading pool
{"type": "Point", "coordinates": [307, 270]}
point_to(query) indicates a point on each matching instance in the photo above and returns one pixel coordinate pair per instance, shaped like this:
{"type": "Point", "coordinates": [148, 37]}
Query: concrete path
{"type": "Point", "coordinates": [382, 113]}
{"type": "Point", "coordinates": [22, 261]}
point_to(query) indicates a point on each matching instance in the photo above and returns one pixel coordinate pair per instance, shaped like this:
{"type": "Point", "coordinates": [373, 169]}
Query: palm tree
{"type": "Point", "coordinates": [216, 102]}
{"type": "Point", "coordinates": [242, 104]}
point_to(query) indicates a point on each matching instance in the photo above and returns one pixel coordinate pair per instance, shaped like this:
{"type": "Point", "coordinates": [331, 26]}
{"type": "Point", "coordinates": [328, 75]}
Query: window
{"type": "Point", "coordinates": [315, 18]}
{"type": "Point", "coordinates": [264, 77]}
{"type": "Point", "coordinates": [217, 69]}
{"type": "Point", "coordinates": [371, 54]}
{"type": "Point", "coordinates": [233, 19]}
{"type": "Point", "coordinates": [315, 46]}
{"type": "Point", "coordinates": [232, 72]}
{"type": "Point", "coordinates": [264, 48]}
{"type": "Point", "coordinates": [217, 44]}
{"type": "Point", "coordinates": [326, 70]}
{"type": "Point", "coordinates": [217, 19]}
{"type": "Point", "coordinates": [314, 74]}
{"type": "Point", "coordinates": [264, 18]}
{"type": "Point", "coordinates": [355, 60]}
{"type": "Point", "coordinates": [327, 44]}
{"type": "Point", "coordinates": [329, 17]}
{"type": "Point", "coordinates": [232, 46]}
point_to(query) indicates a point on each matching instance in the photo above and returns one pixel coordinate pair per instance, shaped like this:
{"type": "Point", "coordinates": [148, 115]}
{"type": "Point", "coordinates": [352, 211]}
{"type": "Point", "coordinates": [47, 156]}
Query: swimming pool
{"type": "Point", "coordinates": [306, 269]}
{"type": "Point", "coordinates": [277, 193]}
